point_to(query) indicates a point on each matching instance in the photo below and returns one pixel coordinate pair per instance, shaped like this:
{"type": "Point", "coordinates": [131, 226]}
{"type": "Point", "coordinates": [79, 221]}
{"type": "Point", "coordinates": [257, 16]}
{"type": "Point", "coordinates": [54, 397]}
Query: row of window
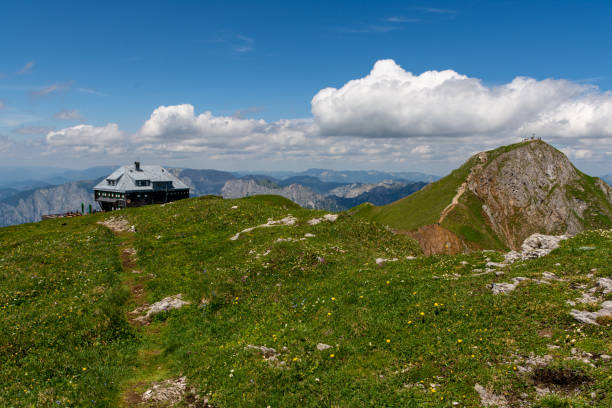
{"type": "Point", "coordinates": [110, 195]}
{"type": "Point", "coordinates": [122, 195]}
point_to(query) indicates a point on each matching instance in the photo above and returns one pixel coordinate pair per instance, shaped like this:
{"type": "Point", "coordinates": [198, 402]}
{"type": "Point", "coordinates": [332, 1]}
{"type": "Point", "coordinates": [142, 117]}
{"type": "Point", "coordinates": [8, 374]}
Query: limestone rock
{"type": "Point", "coordinates": [168, 392]}
{"type": "Point", "coordinates": [489, 399]}
{"type": "Point", "coordinates": [605, 284]}
{"type": "Point", "coordinates": [591, 317]}
{"type": "Point", "coordinates": [505, 288]}
{"type": "Point", "coordinates": [168, 303]}
{"type": "Point", "coordinates": [288, 221]}
{"type": "Point", "coordinates": [323, 346]}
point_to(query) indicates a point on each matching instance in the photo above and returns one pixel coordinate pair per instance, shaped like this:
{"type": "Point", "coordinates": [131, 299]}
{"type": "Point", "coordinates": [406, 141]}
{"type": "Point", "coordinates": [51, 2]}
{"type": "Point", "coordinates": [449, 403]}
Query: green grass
{"type": "Point", "coordinates": [597, 215]}
{"type": "Point", "coordinates": [395, 330]}
{"type": "Point", "coordinates": [420, 208]}
{"type": "Point", "coordinates": [425, 206]}
{"type": "Point", "coordinates": [63, 333]}
{"type": "Point", "coordinates": [468, 221]}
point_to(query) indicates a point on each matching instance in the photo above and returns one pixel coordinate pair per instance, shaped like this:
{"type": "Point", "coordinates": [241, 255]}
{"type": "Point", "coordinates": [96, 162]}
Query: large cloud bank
{"type": "Point", "coordinates": [391, 102]}
{"type": "Point", "coordinates": [390, 114]}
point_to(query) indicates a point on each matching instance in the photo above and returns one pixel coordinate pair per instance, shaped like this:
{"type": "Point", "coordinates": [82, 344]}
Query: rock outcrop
{"type": "Point", "coordinates": [532, 188]}
{"type": "Point", "coordinates": [498, 198]}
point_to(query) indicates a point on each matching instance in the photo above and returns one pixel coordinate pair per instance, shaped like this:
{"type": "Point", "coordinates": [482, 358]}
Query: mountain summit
{"type": "Point", "coordinates": [497, 199]}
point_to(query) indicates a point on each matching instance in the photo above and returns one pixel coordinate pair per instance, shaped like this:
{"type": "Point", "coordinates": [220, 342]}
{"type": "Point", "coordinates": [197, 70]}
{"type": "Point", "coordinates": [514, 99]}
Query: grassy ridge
{"type": "Point", "coordinates": [416, 332]}
{"type": "Point", "coordinates": [420, 208]}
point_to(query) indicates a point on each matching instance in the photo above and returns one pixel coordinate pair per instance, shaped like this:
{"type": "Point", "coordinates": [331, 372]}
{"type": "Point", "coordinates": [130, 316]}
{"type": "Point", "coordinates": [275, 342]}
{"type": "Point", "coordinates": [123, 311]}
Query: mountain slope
{"type": "Point", "coordinates": [298, 313]}
{"type": "Point", "coordinates": [203, 182]}
{"type": "Point", "coordinates": [297, 193]}
{"type": "Point", "coordinates": [377, 194]}
{"type": "Point", "coordinates": [366, 176]}
{"type": "Point", "coordinates": [31, 205]}
{"type": "Point", "coordinates": [498, 198]}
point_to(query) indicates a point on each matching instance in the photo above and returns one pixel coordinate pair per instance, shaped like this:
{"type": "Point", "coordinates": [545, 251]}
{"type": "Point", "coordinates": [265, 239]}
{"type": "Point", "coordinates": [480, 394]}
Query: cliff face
{"type": "Point", "coordinates": [31, 205]}
{"type": "Point", "coordinates": [533, 188]}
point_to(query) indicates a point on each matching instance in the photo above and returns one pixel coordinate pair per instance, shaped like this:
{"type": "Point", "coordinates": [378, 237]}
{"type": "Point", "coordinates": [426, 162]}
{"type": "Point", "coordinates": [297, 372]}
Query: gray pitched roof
{"type": "Point", "coordinates": [125, 178]}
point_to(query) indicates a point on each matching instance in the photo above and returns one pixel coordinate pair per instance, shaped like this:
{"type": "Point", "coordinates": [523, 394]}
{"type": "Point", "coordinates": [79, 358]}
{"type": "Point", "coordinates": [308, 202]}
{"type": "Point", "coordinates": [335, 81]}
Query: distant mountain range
{"type": "Point", "coordinates": [27, 193]}
{"type": "Point", "coordinates": [349, 176]}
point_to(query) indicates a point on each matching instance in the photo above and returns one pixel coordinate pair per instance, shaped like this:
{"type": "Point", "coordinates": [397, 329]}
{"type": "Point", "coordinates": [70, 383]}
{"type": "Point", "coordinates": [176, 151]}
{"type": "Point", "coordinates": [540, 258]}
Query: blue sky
{"type": "Point", "coordinates": [100, 63]}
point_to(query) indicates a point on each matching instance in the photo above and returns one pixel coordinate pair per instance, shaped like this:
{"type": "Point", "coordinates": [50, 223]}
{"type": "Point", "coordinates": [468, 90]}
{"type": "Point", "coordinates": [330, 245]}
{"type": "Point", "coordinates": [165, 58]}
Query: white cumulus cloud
{"type": "Point", "coordinates": [388, 116]}
{"type": "Point", "coordinates": [178, 128]}
{"type": "Point", "coordinates": [391, 102]}
{"type": "Point", "coordinates": [88, 138]}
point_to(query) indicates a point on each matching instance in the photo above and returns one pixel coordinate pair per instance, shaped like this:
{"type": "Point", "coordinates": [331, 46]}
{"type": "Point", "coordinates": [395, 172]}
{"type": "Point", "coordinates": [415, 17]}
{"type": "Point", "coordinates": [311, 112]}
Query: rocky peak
{"type": "Point", "coordinates": [530, 188]}
{"type": "Point", "coordinates": [498, 198]}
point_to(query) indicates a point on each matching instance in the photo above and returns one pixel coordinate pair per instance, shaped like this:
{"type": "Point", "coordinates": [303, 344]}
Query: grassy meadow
{"type": "Point", "coordinates": [414, 332]}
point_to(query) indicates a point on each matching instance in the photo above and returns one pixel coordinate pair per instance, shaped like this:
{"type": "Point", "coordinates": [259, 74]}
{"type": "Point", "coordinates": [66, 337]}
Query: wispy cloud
{"type": "Point", "coordinates": [14, 119]}
{"type": "Point", "coordinates": [242, 113]}
{"type": "Point", "coordinates": [26, 68]}
{"type": "Point", "coordinates": [33, 130]}
{"type": "Point", "coordinates": [437, 10]}
{"type": "Point", "coordinates": [242, 48]}
{"type": "Point", "coordinates": [91, 91]}
{"type": "Point", "coordinates": [50, 89]}
{"type": "Point", "coordinates": [245, 38]}
{"type": "Point", "coordinates": [400, 19]}
{"type": "Point", "coordinates": [2, 105]}
{"type": "Point", "coordinates": [238, 43]}
{"type": "Point", "coordinates": [69, 114]}
{"type": "Point", "coordinates": [589, 80]}
{"type": "Point", "coordinates": [244, 45]}
{"type": "Point", "coordinates": [370, 29]}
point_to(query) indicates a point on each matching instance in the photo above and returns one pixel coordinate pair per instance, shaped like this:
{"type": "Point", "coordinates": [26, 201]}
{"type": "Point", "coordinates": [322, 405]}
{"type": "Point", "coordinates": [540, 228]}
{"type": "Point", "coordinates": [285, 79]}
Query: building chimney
{"type": "Point", "coordinates": [137, 165]}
